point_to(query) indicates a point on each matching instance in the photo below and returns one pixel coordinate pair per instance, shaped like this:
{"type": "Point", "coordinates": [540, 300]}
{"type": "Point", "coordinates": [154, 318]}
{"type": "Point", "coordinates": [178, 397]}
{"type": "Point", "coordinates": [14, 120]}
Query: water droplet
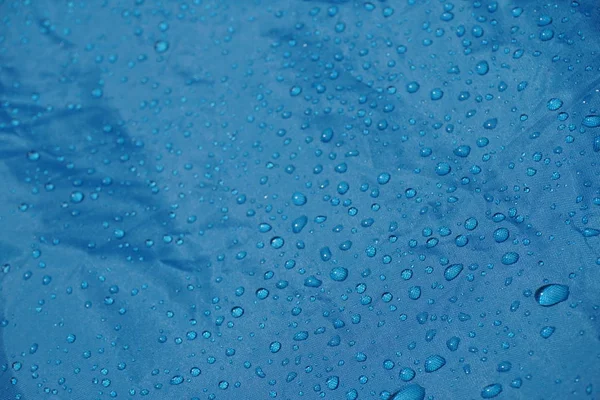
{"type": "Point", "coordinates": [504, 366]}
{"type": "Point", "coordinates": [547, 331]}
{"type": "Point", "coordinates": [237, 312]}
{"type": "Point", "coordinates": [277, 242]}
{"type": "Point", "coordinates": [412, 87]}
{"type": "Point", "coordinates": [433, 363]}
{"type": "Point", "coordinates": [591, 121]}
{"type": "Point", "coordinates": [327, 135]}
{"type": "Point", "coordinates": [453, 343]}
{"type": "Point", "coordinates": [274, 347]}
{"type": "Point", "coordinates": [462, 151]}
{"type": "Point", "coordinates": [338, 274]}
{"type": "Point", "coordinates": [510, 258]}
{"type": "Point", "coordinates": [436, 94]}
{"type": "Point", "coordinates": [298, 199]}
{"type": "Point", "coordinates": [546, 34]}
{"type": "Point", "coordinates": [482, 67]}
{"type": "Point", "coordinates": [410, 392]}
{"type": "Point", "coordinates": [550, 295]}
{"type": "Point", "coordinates": [490, 123]}
{"type": "Point", "coordinates": [442, 169]}
{"type": "Point", "coordinates": [295, 91]}
{"type": "Point", "coordinates": [161, 46]}
{"type": "Point", "coordinates": [77, 197]}
{"type": "Point", "coordinates": [491, 391]}
{"type": "Point", "coordinates": [453, 271]}
{"type": "Point", "coordinates": [312, 281]}
{"type": "Point", "coordinates": [590, 232]}
{"type": "Point", "coordinates": [407, 374]}
{"type": "Point", "coordinates": [554, 104]}
{"type": "Point", "coordinates": [333, 382]}
{"type": "Point", "coordinates": [501, 235]}
{"type": "Point", "coordinates": [299, 223]}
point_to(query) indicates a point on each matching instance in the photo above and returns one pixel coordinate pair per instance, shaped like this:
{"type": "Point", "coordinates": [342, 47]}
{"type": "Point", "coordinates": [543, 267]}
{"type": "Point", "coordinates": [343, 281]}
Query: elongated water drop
{"type": "Point", "coordinates": [453, 271]}
{"type": "Point", "coordinates": [550, 295]}
{"type": "Point", "coordinates": [491, 391]}
{"type": "Point", "coordinates": [591, 121]}
{"type": "Point", "coordinates": [410, 392]}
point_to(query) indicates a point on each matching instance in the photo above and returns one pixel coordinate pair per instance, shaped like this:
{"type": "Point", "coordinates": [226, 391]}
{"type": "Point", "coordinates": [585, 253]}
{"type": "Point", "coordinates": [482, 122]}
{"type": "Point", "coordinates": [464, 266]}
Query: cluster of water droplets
{"type": "Point", "coordinates": [327, 200]}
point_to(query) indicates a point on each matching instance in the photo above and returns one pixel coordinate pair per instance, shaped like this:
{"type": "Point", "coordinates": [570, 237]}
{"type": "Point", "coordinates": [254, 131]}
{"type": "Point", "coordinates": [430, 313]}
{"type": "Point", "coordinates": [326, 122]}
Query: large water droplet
{"type": "Point", "coordinates": [550, 295]}
{"type": "Point", "coordinates": [410, 392]}
{"type": "Point", "coordinates": [453, 271]}
{"type": "Point", "coordinates": [491, 391]}
{"type": "Point", "coordinates": [591, 121]}
{"type": "Point", "coordinates": [433, 363]}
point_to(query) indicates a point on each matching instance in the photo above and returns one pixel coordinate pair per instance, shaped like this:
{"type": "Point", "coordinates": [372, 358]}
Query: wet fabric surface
{"type": "Point", "coordinates": [299, 200]}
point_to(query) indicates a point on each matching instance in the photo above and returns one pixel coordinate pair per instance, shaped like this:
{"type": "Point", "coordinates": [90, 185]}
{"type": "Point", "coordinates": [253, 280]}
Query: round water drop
{"type": "Point", "coordinates": [490, 123]}
{"type": "Point", "coordinates": [237, 312]}
{"type": "Point", "coordinates": [407, 374]}
{"type": "Point", "coordinates": [71, 338]}
{"type": "Point", "coordinates": [500, 235]}
{"type": "Point", "coordinates": [453, 271]}
{"type": "Point", "coordinates": [299, 223]}
{"type": "Point", "coordinates": [327, 135]}
{"type": "Point", "coordinates": [462, 151]}
{"type": "Point", "coordinates": [547, 331]}
{"type": "Point", "coordinates": [546, 35]}
{"type": "Point", "coordinates": [410, 392]}
{"type": "Point", "coordinates": [510, 258]}
{"type": "Point", "coordinates": [504, 366]}
{"type": "Point", "coordinates": [277, 242]}
{"type": "Point", "coordinates": [491, 391]}
{"type": "Point", "coordinates": [482, 67]}
{"type": "Point", "coordinates": [298, 199]}
{"type": "Point", "coordinates": [436, 94]}
{"type": "Point", "coordinates": [591, 121]}
{"type": "Point", "coordinates": [554, 104]}
{"type": "Point", "coordinates": [414, 293]}
{"type": "Point", "coordinates": [471, 223]}
{"type": "Point", "coordinates": [262, 293]}
{"type": "Point", "coordinates": [550, 295]}
{"type": "Point", "coordinates": [312, 281]}
{"type": "Point", "coordinates": [412, 87]}
{"type": "Point", "coordinates": [433, 363]}
{"type": "Point", "coordinates": [77, 197]}
{"type": "Point", "coordinates": [338, 274]}
{"type": "Point", "coordinates": [161, 46]}
{"type": "Point", "coordinates": [383, 178]}
{"type": "Point", "coordinates": [442, 169]}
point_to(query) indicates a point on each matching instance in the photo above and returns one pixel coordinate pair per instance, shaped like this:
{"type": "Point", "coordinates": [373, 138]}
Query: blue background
{"type": "Point", "coordinates": [144, 143]}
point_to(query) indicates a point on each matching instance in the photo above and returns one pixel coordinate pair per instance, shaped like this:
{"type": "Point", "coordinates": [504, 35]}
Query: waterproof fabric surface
{"type": "Point", "coordinates": [299, 199]}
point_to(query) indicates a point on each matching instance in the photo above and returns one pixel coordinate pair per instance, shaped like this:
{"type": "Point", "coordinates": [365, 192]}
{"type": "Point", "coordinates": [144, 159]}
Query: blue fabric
{"type": "Point", "coordinates": [299, 199]}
